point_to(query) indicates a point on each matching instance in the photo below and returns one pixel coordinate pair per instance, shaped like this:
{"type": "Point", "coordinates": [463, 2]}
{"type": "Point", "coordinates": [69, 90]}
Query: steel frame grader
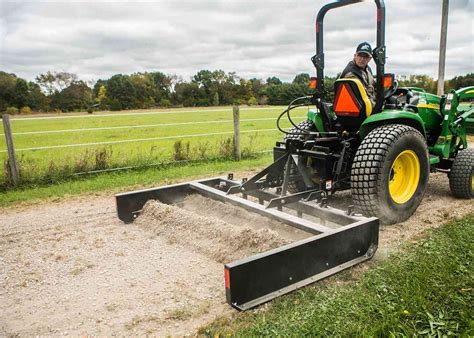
{"type": "Point", "coordinates": [382, 153]}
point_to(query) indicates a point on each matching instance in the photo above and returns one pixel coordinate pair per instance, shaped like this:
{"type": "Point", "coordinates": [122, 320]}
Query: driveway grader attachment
{"type": "Point", "coordinates": [339, 239]}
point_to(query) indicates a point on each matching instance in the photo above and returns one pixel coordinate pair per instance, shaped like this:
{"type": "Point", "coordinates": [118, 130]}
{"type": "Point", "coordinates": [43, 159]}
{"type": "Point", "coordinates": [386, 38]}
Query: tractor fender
{"type": "Point", "coordinates": [466, 92]}
{"type": "Point", "coordinates": [315, 116]}
{"type": "Point", "coordinates": [392, 117]}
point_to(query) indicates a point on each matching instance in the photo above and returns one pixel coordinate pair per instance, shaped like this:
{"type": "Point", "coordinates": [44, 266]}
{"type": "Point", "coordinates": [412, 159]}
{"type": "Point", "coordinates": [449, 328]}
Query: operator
{"type": "Point", "coordinates": [358, 68]}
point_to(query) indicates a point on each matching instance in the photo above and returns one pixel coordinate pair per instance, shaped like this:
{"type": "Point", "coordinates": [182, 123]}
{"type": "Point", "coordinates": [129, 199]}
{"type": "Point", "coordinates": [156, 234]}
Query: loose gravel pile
{"type": "Point", "coordinates": [210, 236]}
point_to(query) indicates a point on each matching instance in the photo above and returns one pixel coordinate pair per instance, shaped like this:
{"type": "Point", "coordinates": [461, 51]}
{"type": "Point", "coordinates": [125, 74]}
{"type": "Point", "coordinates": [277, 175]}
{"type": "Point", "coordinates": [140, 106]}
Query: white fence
{"type": "Point", "coordinates": [8, 134]}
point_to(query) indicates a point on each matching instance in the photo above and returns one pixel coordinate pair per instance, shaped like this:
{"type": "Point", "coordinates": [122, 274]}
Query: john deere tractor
{"type": "Point", "coordinates": [383, 152]}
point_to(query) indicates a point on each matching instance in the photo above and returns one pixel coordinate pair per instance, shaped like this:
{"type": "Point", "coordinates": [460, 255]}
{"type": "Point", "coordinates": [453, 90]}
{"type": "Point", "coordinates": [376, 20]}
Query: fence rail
{"type": "Point", "coordinates": [156, 164]}
{"type": "Point", "coordinates": [28, 141]}
{"type": "Point", "coordinates": [138, 140]}
{"type": "Point", "coordinates": [139, 126]}
{"type": "Point", "coordinates": [134, 114]}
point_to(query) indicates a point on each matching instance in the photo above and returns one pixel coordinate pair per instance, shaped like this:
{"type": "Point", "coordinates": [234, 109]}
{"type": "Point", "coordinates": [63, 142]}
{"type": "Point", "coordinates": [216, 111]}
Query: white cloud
{"type": "Point", "coordinates": [252, 38]}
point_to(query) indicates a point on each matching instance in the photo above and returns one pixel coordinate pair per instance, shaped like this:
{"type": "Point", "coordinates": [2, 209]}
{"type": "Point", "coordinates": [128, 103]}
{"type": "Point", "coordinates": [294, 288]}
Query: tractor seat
{"type": "Point", "coordinates": [351, 103]}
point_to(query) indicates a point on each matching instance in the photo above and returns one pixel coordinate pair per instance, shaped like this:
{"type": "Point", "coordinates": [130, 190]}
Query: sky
{"type": "Point", "coordinates": [259, 38]}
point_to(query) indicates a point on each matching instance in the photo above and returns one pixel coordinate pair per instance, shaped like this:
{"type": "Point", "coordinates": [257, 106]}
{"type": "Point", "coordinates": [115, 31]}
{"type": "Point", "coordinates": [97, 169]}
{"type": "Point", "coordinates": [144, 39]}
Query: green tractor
{"type": "Point", "coordinates": [383, 152]}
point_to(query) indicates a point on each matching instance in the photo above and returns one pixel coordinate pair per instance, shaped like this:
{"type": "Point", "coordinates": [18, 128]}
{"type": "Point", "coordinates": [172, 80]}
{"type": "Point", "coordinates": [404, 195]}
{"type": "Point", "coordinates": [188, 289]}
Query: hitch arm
{"type": "Point", "coordinates": [254, 183]}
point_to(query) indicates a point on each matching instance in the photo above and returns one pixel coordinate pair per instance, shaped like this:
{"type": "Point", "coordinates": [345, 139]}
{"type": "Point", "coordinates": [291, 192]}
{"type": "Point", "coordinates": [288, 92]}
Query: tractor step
{"type": "Point", "coordinates": [336, 242]}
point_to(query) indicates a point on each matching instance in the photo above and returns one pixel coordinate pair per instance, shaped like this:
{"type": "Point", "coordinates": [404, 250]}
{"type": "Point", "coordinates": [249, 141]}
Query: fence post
{"type": "Point", "coordinates": [11, 150]}
{"type": "Point", "coordinates": [236, 114]}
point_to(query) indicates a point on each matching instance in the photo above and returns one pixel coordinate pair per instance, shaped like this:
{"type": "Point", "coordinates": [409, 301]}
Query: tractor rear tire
{"type": "Point", "coordinates": [298, 133]}
{"type": "Point", "coordinates": [461, 177]}
{"type": "Point", "coordinates": [390, 173]}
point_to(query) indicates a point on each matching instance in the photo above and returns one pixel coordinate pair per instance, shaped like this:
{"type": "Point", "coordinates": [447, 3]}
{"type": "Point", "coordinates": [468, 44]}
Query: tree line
{"type": "Point", "coordinates": [62, 91]}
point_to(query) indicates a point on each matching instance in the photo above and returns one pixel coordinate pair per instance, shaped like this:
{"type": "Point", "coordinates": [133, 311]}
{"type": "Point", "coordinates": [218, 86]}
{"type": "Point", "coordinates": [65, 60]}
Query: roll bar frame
{"type": "Point", "coordinates": [379, 52]}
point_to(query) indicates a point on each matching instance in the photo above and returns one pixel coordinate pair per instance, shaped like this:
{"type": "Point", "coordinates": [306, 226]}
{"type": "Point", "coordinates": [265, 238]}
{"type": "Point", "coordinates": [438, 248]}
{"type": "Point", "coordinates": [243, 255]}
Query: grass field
{"type": "Point", "coordinates": [55, 146]}
{"type": "Point", "coordinates": [86, 137]}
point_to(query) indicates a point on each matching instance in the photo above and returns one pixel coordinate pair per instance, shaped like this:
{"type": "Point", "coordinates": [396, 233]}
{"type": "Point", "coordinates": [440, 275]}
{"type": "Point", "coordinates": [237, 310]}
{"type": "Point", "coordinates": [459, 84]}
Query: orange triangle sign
{"type": "Point", "coordinates": [345, 102]}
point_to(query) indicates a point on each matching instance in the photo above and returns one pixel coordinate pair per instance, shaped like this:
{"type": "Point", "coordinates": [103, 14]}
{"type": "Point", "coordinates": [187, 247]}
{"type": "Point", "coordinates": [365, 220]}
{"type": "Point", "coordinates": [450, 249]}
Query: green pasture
{"type": "Point", "coordinates": [188, 125]}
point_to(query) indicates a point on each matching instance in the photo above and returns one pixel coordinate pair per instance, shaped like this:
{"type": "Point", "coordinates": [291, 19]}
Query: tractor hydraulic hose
{"type": "Point", "coordinates": [290, 107]}
{"type": "Point", "coordinates": [287, 111]}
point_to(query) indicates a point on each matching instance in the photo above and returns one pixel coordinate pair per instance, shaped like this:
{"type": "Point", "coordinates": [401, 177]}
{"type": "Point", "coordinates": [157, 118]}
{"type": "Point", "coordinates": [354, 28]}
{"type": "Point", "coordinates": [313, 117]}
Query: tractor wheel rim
{"type": "Point", "coordinates": [404, 176]}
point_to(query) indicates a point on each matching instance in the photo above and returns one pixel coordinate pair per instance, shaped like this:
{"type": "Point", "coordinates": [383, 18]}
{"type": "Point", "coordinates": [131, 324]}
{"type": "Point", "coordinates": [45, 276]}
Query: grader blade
{"type": "Point", "coordinates": [337, 239]}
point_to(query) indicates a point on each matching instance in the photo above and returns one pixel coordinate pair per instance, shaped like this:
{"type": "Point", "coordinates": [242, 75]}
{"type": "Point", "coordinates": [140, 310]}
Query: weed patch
{"type": "Point", "coordinates": [181, 151]}
{"type": "Point", "coordinates": [104, 158]}
{"type": "Point", "coordinates": [226, 147]}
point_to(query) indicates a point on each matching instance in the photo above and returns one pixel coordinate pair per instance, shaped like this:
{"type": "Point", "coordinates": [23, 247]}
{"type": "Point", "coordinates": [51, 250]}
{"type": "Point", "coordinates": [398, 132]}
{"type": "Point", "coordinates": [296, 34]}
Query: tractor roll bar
{"type": "Point", "coordinates": [378, 52]}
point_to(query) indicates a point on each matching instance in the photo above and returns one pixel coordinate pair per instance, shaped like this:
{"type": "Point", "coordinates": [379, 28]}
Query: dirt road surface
{"type": "Point", "coordinates": [72, 268]}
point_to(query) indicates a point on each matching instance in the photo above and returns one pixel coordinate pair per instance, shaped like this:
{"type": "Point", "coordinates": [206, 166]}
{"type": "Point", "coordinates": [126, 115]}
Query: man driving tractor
{"type": "Point", "coordinates": [358, 68]}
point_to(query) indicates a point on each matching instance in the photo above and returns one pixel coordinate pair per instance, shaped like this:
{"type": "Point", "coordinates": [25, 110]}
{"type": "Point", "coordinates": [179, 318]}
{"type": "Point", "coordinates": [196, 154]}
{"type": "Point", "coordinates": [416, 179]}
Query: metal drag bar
{"type": "Point", "coordinates": [294, 221]}
{"type": "Point", "coordinates": [257, 279]}
{"type": "Point", "coordinates": [328, 213]}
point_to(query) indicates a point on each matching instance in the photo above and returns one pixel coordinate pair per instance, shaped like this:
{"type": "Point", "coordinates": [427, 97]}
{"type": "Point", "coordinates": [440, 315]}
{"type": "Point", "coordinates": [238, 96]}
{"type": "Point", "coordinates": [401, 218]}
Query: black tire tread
{"type": "Point", "coordinates": [296, 133]}
{"type": "Point", "coordinates": [460, 177]}
{"type": "Point", "coordinates": [368, 163]}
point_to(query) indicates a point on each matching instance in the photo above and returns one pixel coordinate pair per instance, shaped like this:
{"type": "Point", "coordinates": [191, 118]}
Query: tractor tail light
{"type": "Point", "coordinates": [313, 83]}
{"type": "Point", "coordinates": [388, 80]}
{"type": "Point", "coordinates": [226, 278]}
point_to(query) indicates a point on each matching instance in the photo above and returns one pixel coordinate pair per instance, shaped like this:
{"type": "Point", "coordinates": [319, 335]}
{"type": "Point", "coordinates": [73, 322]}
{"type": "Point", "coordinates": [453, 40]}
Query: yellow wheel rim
{"type": "Point", "coordinates": [404, 176]}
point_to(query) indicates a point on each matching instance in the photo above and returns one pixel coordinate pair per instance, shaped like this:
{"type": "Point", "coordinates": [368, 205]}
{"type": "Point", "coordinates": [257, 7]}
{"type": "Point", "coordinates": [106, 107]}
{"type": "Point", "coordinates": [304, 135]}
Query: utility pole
{"type": "Point", "coordinates": [442, 47]}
